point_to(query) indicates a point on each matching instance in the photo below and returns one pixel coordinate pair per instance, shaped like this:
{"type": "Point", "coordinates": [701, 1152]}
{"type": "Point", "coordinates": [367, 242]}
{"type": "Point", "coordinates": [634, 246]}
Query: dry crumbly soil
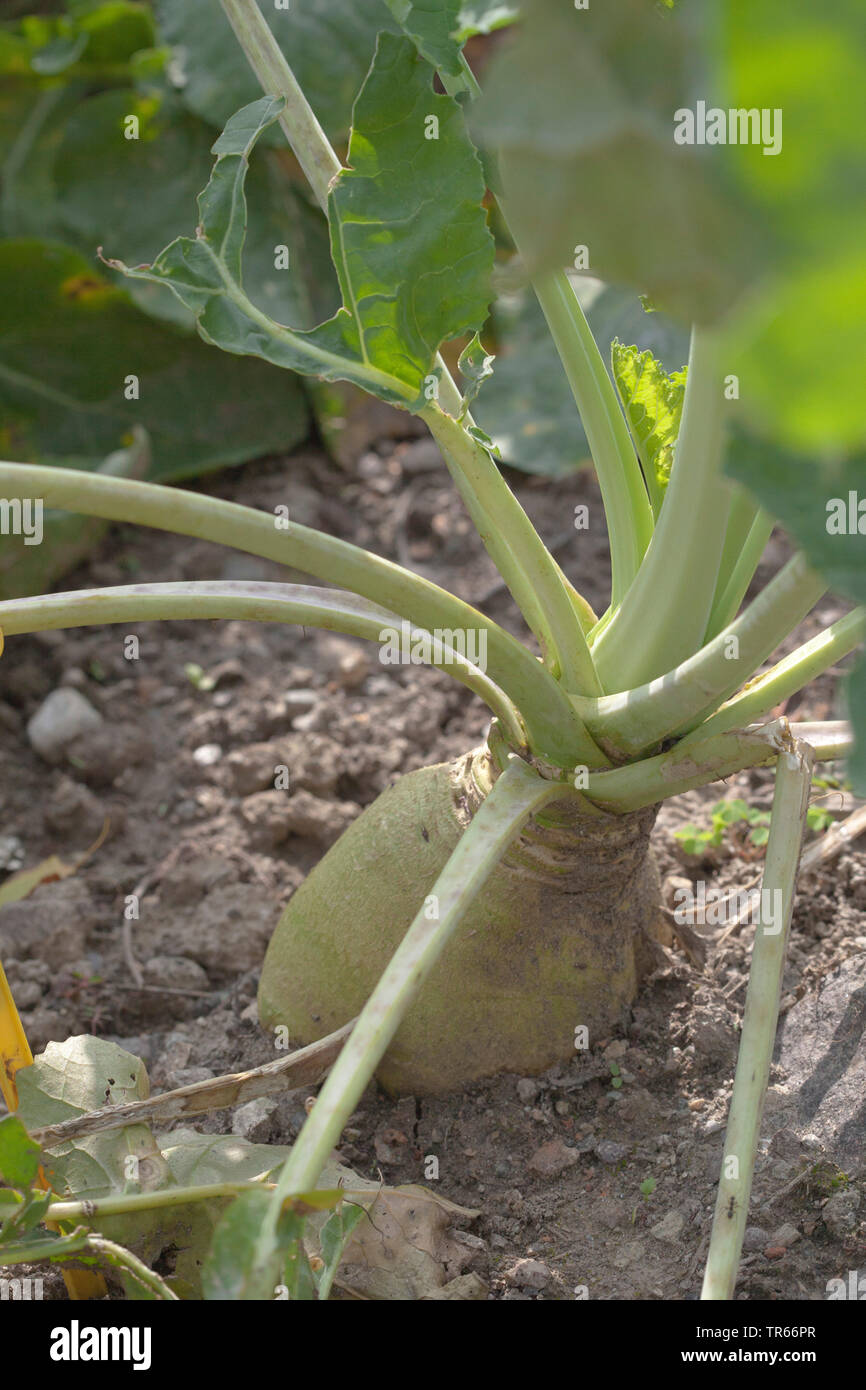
{"type": "Point", "coordinates": [584, 1187]}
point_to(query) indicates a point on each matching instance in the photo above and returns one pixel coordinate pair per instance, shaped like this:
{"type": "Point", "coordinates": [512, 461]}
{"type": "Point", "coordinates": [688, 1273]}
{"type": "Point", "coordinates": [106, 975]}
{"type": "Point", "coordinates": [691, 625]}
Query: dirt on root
{"type": "Point", "coordinates": [596, 1179]}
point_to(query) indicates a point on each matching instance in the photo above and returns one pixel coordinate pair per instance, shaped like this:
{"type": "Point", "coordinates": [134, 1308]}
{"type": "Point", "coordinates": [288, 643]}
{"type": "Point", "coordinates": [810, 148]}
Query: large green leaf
{"type": "Point", "coordinates": [408, 239]}
{"type": "Point", "coordinates": [133, 195]}
{"type": "Point", "coordinates": [798, 349]}
{"type": "Point", "coordinates": [68, 342]}
{"type": "Point", "coordinates": [580, 110]}
{"type": "Point", "coordinates": [91, 41]}
{"type": "Point", "coordinates": [328, 43]}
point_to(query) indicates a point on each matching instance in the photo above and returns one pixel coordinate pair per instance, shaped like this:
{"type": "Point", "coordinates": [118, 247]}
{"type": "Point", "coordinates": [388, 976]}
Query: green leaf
{"type": "Point", "coordinates": [579, 111]}
{"type": "Point", "coordinates": [475, 365]}
{"type": "Point", "coordinates": [439, 28]}
{"type": "Point", "coordinates": [245, 1260]}
{"type": "Point", "coordinates": [133, 196]}
{"type": "Point", "coordinates": [408, 239]}
{"type": "Point", "coordinates": [432, 27]}
{"type": "Point", "coordinates": [334, 1236]}
{"type": "Point", "coordinates": [527, 406]}
{"type": "Point", "coordinates": [821, 502]}
{"type": "Point", "coordinates": [653, 405]}
{"type": "Point", "coordinates": [59, 54]}
{"type": "Point", "coordinates": [483, 17]}
{"type": "Point", "coordinates": [797, 344]}
{"type": "Point", "coordinates": [329, 46]}
{"type": "Point", "coordinates": [20, 1155]}
{"type": "Point", "coordinates": [68, 342]}
{"type": "Point", "coordinates": [71, 1079]}
{"type": "Point", "coordinates": [298, 1277]}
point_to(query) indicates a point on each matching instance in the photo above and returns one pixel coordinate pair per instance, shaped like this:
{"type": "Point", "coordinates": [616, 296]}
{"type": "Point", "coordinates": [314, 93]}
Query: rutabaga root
{"type": "Point", "coordinates": [558, 940]}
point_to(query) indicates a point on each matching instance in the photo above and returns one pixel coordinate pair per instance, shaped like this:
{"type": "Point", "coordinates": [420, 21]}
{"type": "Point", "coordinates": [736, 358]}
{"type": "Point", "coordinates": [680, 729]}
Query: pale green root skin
{"type": "Point", "coordinates": [556, 940]}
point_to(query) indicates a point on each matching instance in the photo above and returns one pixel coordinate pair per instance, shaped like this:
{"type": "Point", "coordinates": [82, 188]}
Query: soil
{"type": "Point", "coordinates": [588, 1183]}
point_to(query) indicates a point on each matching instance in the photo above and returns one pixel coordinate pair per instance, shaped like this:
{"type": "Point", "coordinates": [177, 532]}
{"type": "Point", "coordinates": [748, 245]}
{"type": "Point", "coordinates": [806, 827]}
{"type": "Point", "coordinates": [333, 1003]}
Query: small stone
{"type": "Point", "coordinates": [669, 1228]}
{"type": "Point", "coordinates": [254, 1120]}
{"type": "Point", "coordinates": [390, 1145]}
{"type": "Point", "coordinates": [785, 1144]}
{"type": "Point", "coordinates": [562, 1107]}
{"type": "Point", "coordinates": [839, 1214]}
{"type": "Point", "coordinates": [12, 853]}
{"type": "Point", "coordinates": [630, 1254]}
{"type": "Point", "coordinates": [608, 1151]}
{"type": "Point", "coordinates": [618, 1048]}
{"type": "Point", "coordinates": [63, 716]}
{"type": "Point", "coordinates": [353, 669]}
{"type": "Point", "coordinates": [299, 700]}
{"type": "Point", "coordinates": [755, 1238]}
{"type": "Point", "coordinates": [265, 815]}
{"type": "Point", "coordinates": [72, 809]}
{"type": "Point", "coordinates": [786, 1235]}
{"type": "Point", "coordinates": [207, 754]}
{"type": "Point", "coordinates": [553, 1158]}
{"type": "Point", "coordinates": [314, 720]}
{"type": "Point", "coordinates": [775, 1252]}
{"type": "Point", "coordinates": [527, 1089]}
{"type": "Point", "coordinates": [175, 972]}
{"type": "Point", "coordinates": [27, 995]}
{"type": "Point", "coordinates": [528, 1274]}
{"type": "Point", "coordinates": [251, 1013]}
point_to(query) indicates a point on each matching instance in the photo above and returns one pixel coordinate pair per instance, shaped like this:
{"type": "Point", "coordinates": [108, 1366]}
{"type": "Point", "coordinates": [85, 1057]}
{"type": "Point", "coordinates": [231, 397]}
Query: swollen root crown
{"type": "Point", "coordinates": [551, 951]}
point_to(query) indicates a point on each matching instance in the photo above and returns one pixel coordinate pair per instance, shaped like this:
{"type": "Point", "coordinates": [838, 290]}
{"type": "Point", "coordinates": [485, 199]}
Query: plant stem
{"type": "Point", "coordinates": [742, 511]}
{"type": "Point", "coordinates": [788, 676]}
{"type": "Point", "coordinates": [331, 609]}
{"type": "Point", "coordinates": [627, 507]}
{"type": "Point", "coordinates": [676, 702]}
{"type": "Point", "coordinates": [640, 784]}
{"type": "Point", "coordinates": [829, 739]}
{"type": "Point", "coordinates": [726, 605]}
{"type": "Point", "coordinates": [309, 142]}
{"type": "Point", "coordinates": [555, 731]}
{"type": "Point", "coordinates": [790, 803]}
{"type": "Point", "coordinates": [663, 617]}
{"type": "Point", "coordinates": [515, 796]}
{"type": "Point", "coordinates": [320, 164]}
{"type": "Point", "coordinates": [532, 575]}
{"type": "Point", "coordinates": [29, 1253]}
{"type": "Point", "coordinates": [122, 1258]}
{"type": "Point", "coordinates": [125, 1203]}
